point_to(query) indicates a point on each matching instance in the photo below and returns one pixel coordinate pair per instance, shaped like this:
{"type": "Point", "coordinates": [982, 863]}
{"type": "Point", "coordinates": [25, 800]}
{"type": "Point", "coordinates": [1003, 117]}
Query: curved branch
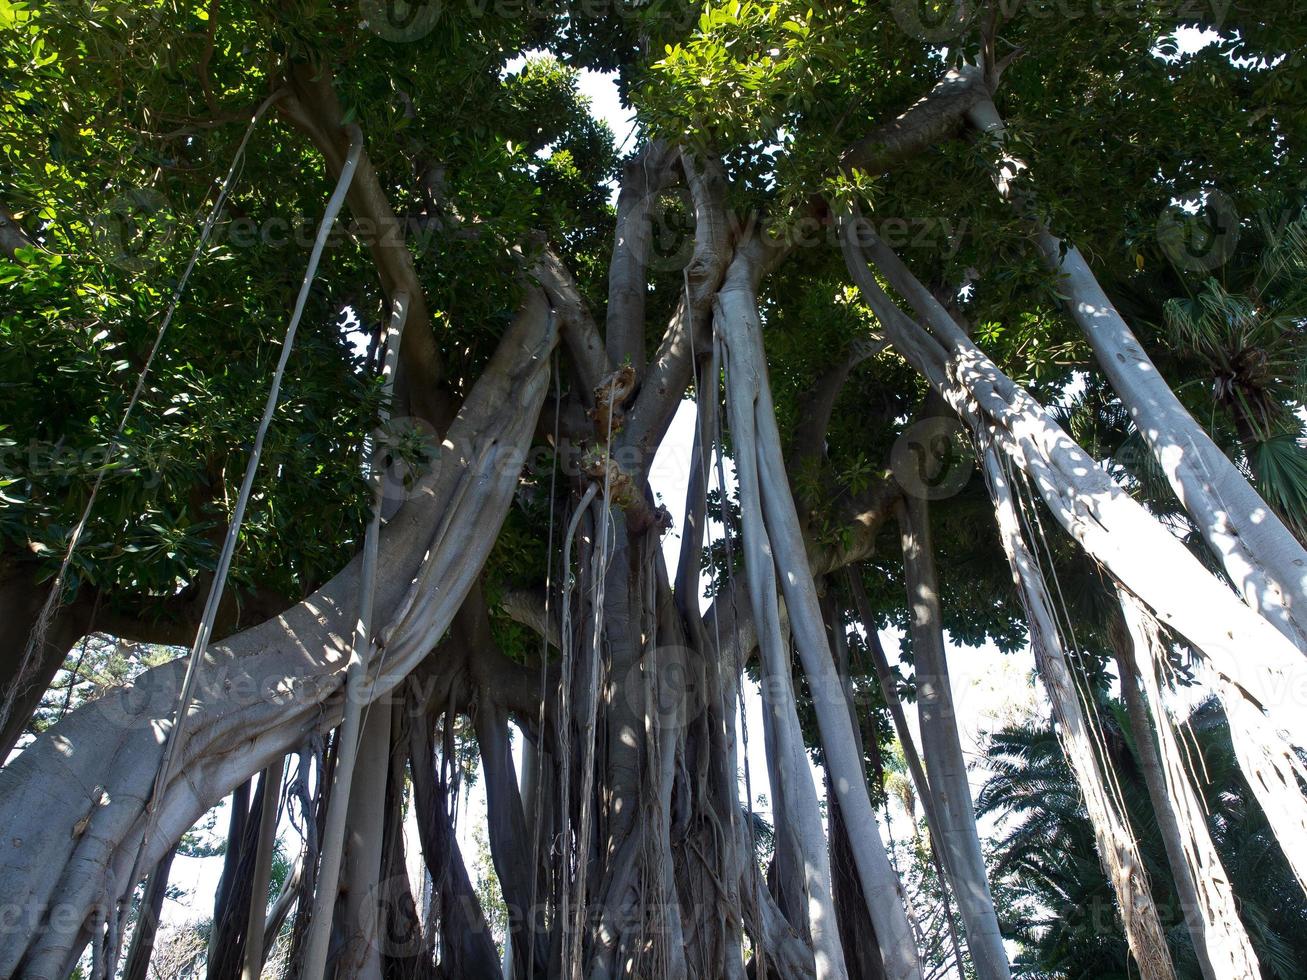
{"type": "Point", "coordinates": [932, 118]}
{"type": "Point", "coordinates": [72, 841]}
{"type": "Point", "coordinates": [575, 322]}
{"type": "Point", "coordinates": [314, 109]}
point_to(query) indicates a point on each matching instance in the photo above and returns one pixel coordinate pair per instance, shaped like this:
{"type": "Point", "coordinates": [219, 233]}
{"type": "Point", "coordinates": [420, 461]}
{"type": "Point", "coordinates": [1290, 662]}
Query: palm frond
{"type": "Point", "coordinates": [1279, 467]}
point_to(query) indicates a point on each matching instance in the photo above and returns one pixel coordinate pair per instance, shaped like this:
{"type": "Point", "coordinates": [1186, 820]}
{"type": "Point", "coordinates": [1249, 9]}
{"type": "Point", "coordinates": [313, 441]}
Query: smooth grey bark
{"type": "Point", "coordinates": [1244, 649]}
{"type": "Point", "coordinates": [262, 692]}
{"type": "Point", "coordinates": [929, 120]}
{"type": "Point", "coordinates": [1267, 564]}
{"type": "Point", "coordinates": [759, 462]}
{"type": "Point", "coordinates": [911, 758]}
{"type": "Point", "coordinates": [356, 697]}
{"type": "Point", "coordinates": [1181, 876]}
{"type": "Point", "coordinates": [792, 788]}
{"type": "Point", "coordinates": [643, 178]}
{"type": "Point", "coordinates": [946, 767]}
{"type": "Point", "coordinates": [361, 906]}
{"type": "Point", "coordinates": [1249, 663]}
{"type": "Point", "coordinates": [1239, 960]}
{"type": "Point", "coordinates": [1273, 767]}
{"type": "Point", "coordinates": [1115, 840]}
{"type": "Point", "coordinates": [689, 331]}
{"type": "Point", "coordinates": [856, 929]}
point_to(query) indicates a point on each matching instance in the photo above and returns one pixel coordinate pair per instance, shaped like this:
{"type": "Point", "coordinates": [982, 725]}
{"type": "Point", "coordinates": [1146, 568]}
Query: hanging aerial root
{"type": "Point", "coordinates": [1116, 844]}
{"type": "Point", "coordinates": [1227, 947]}
{"type": "Point", "coordinates": [773, 539]}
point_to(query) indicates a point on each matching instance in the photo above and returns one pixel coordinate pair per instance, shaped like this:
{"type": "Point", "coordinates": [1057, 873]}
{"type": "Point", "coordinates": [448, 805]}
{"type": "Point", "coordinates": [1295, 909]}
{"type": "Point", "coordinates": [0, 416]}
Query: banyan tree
{"type": "Point", "coordinates": [338, 344]}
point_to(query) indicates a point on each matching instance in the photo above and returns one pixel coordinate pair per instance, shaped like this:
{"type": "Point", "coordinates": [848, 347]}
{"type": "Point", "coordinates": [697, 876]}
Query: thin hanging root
{"type": "Point", "coordinates": [351, 728]}
{"type": "Point", "coordinates": [565, 702]}
{"type": "Point", "coordinates": [254, 935]}
{"type": "Point", "coordinates": [205, 631]}
{"type": "Point", "coordinates": [53, 600]}
{"type": "Point", "coordinates": [791, 782]}
{"type": "Point", "coordinates": [1116, 844]}
{"type": "Point", "coordinates": [535, 801]}
{"type": "Point", "coordinates": [1228, 948]}
{"type": "Point", "coordinates": [599, 575]}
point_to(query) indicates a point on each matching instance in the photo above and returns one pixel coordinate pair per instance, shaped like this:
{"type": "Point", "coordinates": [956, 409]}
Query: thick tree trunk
{"type": "Point", "coordinates": [1267, 564]}
{"type": "Point", "coordinates": [468, 948]}
{"type": "Point", "coordinates": [510, 841]}
{"type": "Point", "coordinates": [1116, 844]}
{"type": "Point", "coordinates": [407, 948]}
{"type": "Point", "coordinates": [255, 950]}
{"type": "Point", "coordinates": [946, 767]}
{"type": "Point", "coordinates": [1203, 888]}
{"type": "Point", "coordinates": [793, 793]}
{"type": "Point", "coordinates": [857, 933]}
{"type": "Point", "coordinates": [231, 906]}
{"type": "Point", "coordinates": [362, 902]}
{"type": "Point", "coordinates": [360, 953]}
{"type": "Point", "coordinates": [1164, 812]}
{"type": "Point", "coordinates": [911, 758]}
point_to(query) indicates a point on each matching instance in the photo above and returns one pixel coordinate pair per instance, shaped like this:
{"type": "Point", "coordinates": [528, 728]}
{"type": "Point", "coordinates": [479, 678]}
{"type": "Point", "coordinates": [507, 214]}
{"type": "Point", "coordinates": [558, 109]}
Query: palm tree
{"type": "Point", "coordinates": [1245, 341]}
{"type": "Point", "coordinates": [1059, 903]}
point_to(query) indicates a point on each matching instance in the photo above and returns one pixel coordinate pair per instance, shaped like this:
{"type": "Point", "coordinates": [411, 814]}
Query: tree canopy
{"type": "Point", "coordinates": [566, 288]}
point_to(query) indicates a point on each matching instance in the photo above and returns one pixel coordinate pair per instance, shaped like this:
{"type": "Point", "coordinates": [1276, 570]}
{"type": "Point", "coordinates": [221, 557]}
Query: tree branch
{"type": "Point", "coordinates": [314, 109]}
{"type": "Point", "coordinates": [688, 332]}
{"type": "Point", "coordinates": [932, 118]}
{"type": "Point", "coordinates": [643, 177]}
{"type": "Point", "coordinates": [575, 323]}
